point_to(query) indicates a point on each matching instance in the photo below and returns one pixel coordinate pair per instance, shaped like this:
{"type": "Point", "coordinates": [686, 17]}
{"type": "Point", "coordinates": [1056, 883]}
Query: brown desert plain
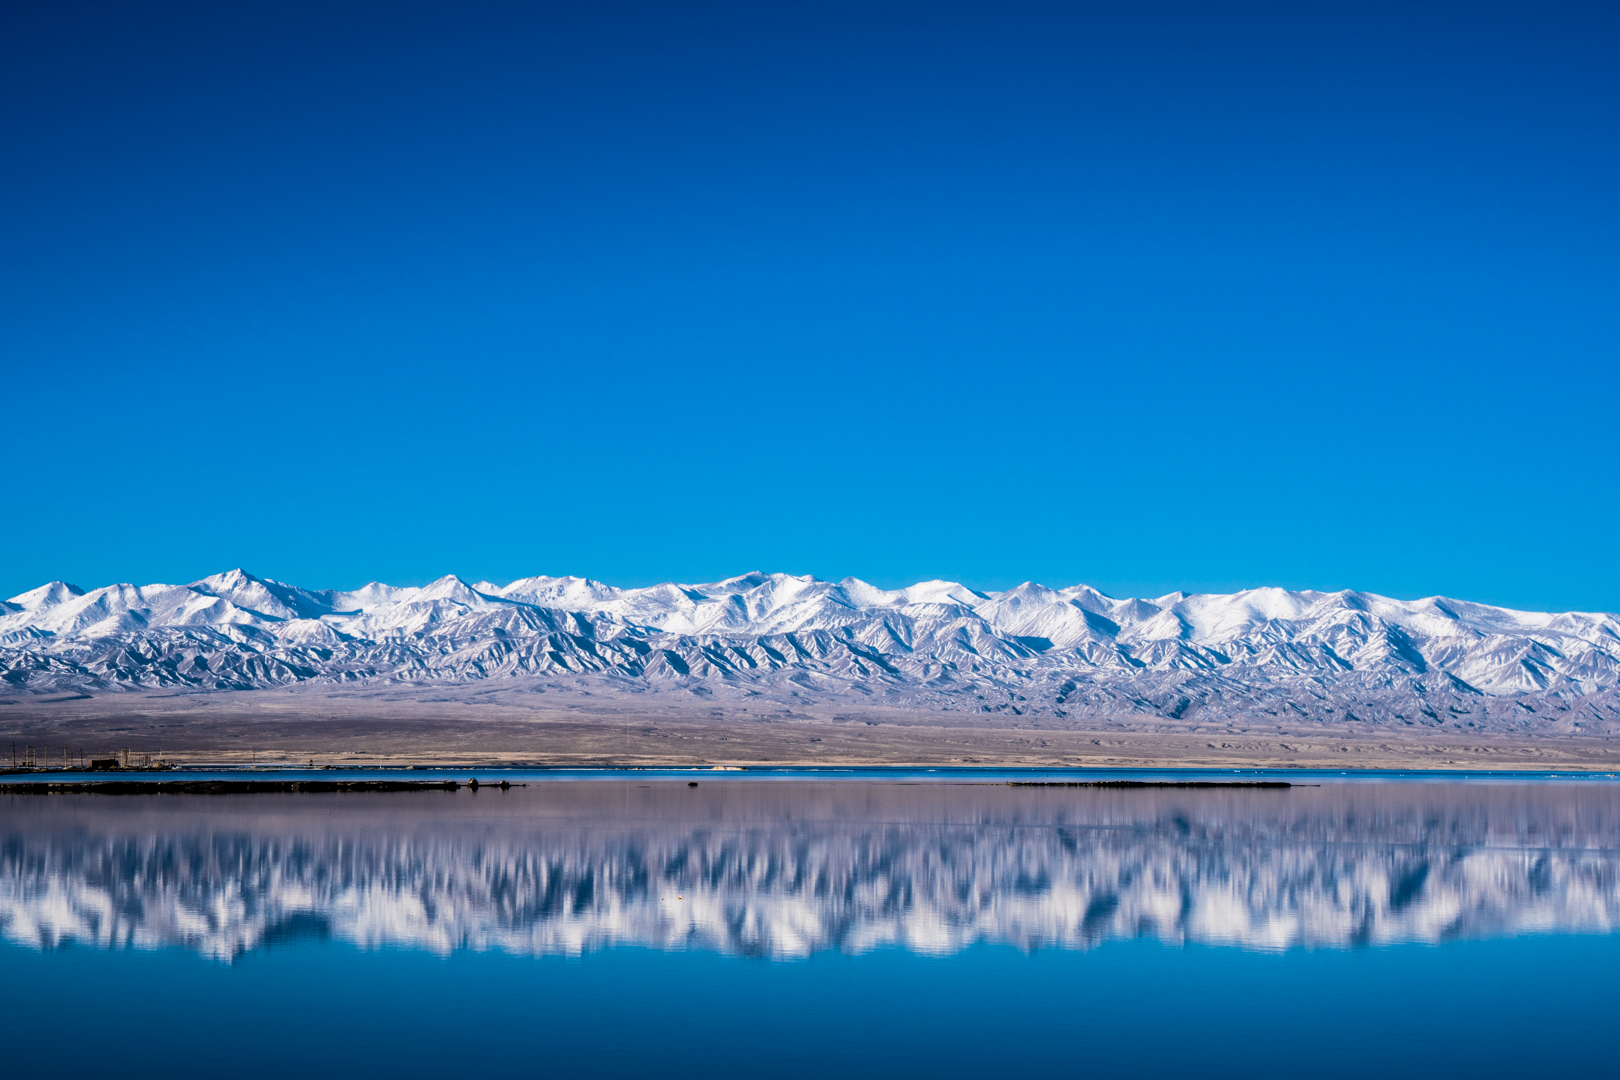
{"type": "Point", "coordinates": [461, 726]}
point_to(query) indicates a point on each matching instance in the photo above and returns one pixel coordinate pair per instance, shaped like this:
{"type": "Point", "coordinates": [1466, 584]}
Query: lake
{"type": "Point", "coordinates": [793, 925]}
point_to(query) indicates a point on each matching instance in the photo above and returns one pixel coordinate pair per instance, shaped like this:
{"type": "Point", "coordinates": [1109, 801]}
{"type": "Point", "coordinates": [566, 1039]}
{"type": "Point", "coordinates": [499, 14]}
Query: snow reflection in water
{"type": "Point", "coordinates": [785, 869]}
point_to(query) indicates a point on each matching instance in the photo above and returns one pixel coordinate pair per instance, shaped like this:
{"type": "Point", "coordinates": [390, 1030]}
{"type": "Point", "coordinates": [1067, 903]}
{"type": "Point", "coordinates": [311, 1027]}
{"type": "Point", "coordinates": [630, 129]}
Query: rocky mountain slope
{"type": "Point", "coordinates": [1045, 655]}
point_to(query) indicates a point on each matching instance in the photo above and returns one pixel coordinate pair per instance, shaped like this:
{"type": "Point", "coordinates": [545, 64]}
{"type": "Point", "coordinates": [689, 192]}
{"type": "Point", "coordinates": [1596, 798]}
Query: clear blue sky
{"type": "Point", "coordinates": [1147, 295]}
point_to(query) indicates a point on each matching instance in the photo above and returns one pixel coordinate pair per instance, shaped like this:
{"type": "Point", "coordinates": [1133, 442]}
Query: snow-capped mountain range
{"type": "Point", "coordinates": [1061, 654]}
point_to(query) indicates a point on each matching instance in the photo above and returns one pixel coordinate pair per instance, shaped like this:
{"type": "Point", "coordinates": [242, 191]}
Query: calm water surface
{"type": "Point", "coordinates": [631, 926]}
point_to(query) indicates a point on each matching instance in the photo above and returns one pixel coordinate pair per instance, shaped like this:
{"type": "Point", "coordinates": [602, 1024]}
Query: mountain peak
{"type": "Point", "coordinates": [230, 579]}
{"type": "Point", "coordinates": [452, 588]}
{"type": "Point", "coordinates": [47, 595]}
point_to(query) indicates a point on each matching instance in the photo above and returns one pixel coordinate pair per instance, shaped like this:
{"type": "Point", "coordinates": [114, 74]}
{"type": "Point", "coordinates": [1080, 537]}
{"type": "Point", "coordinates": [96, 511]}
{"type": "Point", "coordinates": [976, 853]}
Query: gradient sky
{"type": "Point", "coordinates": [1147, 295]}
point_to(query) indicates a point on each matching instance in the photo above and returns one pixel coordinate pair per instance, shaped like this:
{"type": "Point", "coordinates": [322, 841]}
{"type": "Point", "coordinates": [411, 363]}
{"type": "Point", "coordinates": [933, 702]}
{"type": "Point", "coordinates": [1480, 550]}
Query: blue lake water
{"type": "Point", "coordinates": [634, 925]}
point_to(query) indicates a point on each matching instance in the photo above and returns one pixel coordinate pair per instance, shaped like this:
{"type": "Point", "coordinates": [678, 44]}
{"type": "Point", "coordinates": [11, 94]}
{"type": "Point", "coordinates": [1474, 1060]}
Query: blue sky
{"type": "Point", "coordinates": [1152, 296]}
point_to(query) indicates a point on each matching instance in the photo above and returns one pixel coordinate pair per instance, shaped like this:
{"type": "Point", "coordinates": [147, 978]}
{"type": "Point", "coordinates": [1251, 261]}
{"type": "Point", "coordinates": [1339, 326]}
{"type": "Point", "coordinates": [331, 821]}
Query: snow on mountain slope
{"type": "Point", "coordinates": [1064, 655]}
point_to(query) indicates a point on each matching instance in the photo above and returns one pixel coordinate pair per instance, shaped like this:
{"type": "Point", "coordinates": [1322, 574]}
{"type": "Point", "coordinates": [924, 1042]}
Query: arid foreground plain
{"type": "Point", "coordinates": [484, 726]}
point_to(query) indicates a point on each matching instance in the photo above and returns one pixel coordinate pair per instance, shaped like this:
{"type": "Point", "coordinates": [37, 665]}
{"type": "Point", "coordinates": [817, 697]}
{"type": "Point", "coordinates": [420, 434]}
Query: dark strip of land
{"type": "Point", "coordinates": [1151, 783]}
{"type": "Point", "coordinates": [230, 787]}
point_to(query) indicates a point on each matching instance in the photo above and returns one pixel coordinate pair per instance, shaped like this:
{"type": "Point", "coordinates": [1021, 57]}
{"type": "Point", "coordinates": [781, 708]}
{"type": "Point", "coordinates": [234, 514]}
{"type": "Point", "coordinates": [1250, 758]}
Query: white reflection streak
{"type": "Point", "coordinates": [791, 891]}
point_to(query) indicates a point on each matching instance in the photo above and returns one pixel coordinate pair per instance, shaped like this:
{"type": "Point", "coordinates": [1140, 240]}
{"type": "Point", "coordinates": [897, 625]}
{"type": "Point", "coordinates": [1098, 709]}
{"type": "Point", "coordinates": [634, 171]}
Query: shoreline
{"type": "Point", "coordinates": [360, 777]}
{"type": "Point", "coordinates": [500, 782]}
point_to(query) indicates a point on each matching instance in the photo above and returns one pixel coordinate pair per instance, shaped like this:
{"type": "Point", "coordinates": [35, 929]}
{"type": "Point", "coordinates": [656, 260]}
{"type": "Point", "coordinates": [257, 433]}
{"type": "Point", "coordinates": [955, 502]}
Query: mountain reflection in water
{"type": "Point", "coordinates": [786, 869]}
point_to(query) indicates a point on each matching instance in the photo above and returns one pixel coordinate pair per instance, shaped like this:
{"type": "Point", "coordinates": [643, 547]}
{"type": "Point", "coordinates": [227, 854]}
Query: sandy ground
{"type": "Point", "coordinates": [367, 728]}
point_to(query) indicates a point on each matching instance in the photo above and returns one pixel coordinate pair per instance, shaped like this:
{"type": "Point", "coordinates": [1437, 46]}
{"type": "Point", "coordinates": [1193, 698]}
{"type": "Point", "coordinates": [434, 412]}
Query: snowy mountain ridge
{"type": "Point", "coordinates": [937, 644]}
